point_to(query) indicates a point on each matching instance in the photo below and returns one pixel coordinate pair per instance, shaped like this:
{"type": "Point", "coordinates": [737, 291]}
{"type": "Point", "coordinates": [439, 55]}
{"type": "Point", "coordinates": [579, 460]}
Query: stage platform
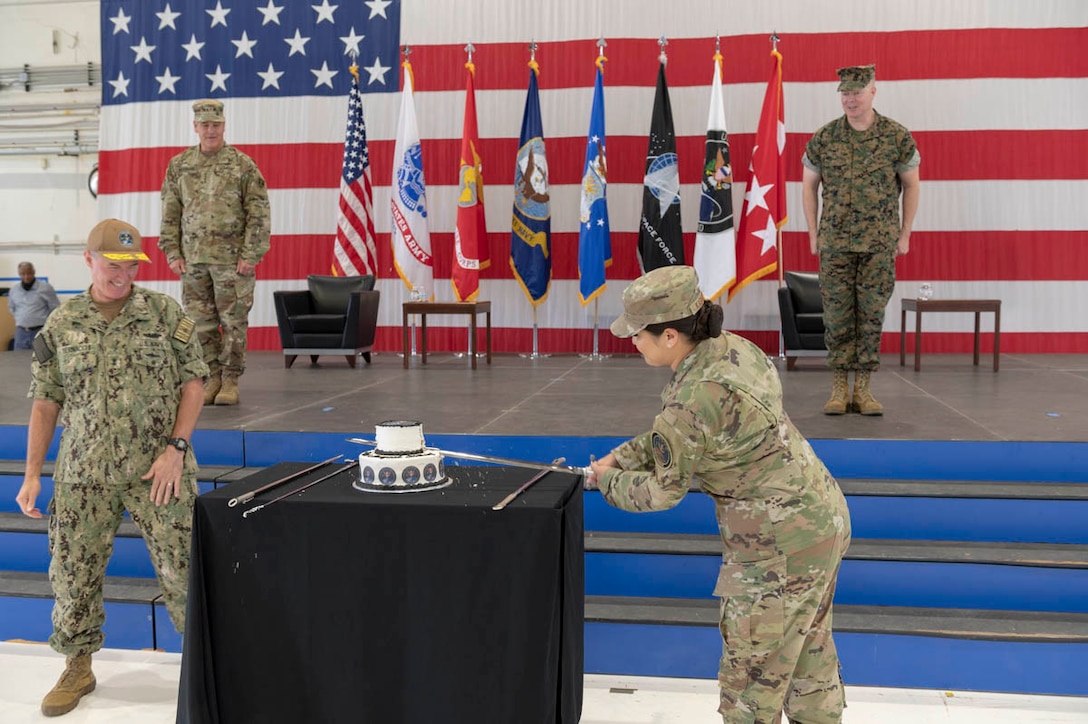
{"type": "Point", "coordinates": [1033, 398]}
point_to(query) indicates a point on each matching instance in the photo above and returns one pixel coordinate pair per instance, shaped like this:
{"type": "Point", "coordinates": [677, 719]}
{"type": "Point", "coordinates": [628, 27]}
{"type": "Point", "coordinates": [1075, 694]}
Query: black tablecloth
{"type": "Point", "coordinates": [336, 605]}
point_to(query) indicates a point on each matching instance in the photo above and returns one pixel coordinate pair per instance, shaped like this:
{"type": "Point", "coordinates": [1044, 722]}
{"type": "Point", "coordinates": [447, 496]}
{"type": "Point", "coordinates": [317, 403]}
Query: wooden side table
{"type": "Point", "coordinates": [920, 306]}
{"type": "Point", "coordinates": [472, 309]}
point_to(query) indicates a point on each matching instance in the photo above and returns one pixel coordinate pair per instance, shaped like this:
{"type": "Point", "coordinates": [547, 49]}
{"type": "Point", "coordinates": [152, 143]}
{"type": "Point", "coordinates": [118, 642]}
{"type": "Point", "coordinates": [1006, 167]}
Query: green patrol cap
{"type": "Point", "coordinates": [208, 110]}
{"type": "Point", "coordinates": [117, 241]}
{"type": "Point", "coordinates": [665, 294]}
{"type": "Point", "coordinates": [856, 77]}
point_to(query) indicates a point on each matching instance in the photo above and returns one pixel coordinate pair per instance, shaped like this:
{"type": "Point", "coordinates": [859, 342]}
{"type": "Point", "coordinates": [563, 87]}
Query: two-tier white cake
{"type": "Point", "coordinates": [401, 462]}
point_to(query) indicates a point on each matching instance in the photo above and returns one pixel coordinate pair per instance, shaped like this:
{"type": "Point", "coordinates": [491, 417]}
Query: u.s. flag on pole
{"type": "Point", "coordinates": [354, 251]}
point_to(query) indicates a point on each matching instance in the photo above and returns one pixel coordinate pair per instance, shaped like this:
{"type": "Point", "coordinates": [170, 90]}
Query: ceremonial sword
{"type": "Point", "coordinates": [246, 497]}
{"type": "Point", "coordinates": [553, 467]}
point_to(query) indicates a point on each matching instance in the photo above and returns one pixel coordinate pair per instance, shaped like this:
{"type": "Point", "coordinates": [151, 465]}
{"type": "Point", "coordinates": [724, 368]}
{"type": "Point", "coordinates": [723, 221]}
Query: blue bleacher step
{"type": "Point", "coordinates": [984, 624]}
{"type": "Point", "coordinates": [24, 546]}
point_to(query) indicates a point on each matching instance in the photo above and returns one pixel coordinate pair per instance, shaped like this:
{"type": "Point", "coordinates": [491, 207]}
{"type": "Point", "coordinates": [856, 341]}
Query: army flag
{"type": "Point", "coordinates": [471, 253]}
{"type": "Point", "coordinates": [410, 236]}
{"type": "Point", "coordinates": [764, 210]}
{"type": "Point", "coordinates": [715, 243]}
{"type": "Point", "coordinates": [354, 250]}
{"type": "Point", "coordinates": [660, 241]}
{"type": "Point", "coordinates": [594, 242]}
{"type": "Point", "coordinates": [530, 237]}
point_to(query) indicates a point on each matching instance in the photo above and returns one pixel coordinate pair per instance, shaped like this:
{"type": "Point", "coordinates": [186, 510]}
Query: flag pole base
{"type": "Point", "coordinates": [594, 357]}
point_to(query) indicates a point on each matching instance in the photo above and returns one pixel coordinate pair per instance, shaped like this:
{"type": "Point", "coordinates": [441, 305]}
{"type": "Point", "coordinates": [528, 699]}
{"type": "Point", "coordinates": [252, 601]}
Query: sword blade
{"type": "Point", "coordinates": [493, 459]}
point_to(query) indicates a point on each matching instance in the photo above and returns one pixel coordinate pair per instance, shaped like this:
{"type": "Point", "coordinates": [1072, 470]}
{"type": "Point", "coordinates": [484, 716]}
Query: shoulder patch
{"type": "Point", "coordinates": [42, 352]}
{"type": "Point", "coordinates": [184, 330]}
{"type": "Point", "coordinates": [662, 450]}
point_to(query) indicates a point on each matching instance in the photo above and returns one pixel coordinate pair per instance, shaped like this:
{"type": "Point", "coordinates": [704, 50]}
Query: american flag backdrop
{"type": "Point", "coordinates": [994, 91]}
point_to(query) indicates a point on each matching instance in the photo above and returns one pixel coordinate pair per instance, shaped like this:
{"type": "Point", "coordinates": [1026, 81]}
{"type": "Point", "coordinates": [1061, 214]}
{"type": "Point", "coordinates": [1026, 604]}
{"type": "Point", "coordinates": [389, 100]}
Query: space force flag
{"type": "Point", "coordinates": [660, 241]}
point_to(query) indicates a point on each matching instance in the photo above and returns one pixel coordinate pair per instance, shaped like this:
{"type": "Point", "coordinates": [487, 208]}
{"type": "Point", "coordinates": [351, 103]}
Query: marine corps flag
{"type": "Point", "coordinates": [660, 242]}
{"type": "Point", "coordinates": [530, 237]}
{"type": "Point", "coordinates": [594, 243]}
{"type": "Point", "coordinates": [764, 211]}
{"type": "Point", "coordinates": [471, 253]}
{"type": "Point", "coordinates": [410, 236]}
{"type": "Point", "coordinates": [715, 243]}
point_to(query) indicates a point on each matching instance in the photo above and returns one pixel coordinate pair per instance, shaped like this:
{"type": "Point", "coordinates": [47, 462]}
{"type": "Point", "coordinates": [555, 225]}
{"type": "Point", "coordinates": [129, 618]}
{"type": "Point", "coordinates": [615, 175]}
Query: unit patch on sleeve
{"type": "Point", "coordinates": [662, 451]}
{"type": "Point", "coordinates": [42, 352]}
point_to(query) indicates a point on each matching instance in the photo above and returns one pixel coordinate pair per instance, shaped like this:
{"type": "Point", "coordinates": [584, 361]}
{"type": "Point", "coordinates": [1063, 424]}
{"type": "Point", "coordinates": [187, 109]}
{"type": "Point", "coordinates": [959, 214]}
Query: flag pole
{"type": "Point", "coordinates": [595, 356]}
{"type": "Point", "coordinates": [778, 242]}
{"type": "Point", "coordinates": [536, 348]}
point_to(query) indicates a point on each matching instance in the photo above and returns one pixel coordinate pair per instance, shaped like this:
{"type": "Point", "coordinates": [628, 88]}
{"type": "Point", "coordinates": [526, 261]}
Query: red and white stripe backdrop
{"type": "Point", "coordinates": [995, 92]}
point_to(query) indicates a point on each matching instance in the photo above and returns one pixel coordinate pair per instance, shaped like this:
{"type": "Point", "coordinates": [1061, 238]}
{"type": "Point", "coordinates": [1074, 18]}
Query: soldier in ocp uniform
{"type": "Point", "coordinates": [120, 367]}
{"type": "Point", "coordinates": [783, 519]}
{"type": "Point", "coordinates": [215, 229]}
{"type": "Point", "coordinates": [864, 161]}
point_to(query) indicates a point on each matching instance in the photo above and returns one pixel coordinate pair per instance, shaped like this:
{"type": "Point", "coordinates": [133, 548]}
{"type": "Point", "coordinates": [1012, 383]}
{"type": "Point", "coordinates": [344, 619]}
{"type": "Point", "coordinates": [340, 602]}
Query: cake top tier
{"type": "Point", "coordinates": [399, 436]}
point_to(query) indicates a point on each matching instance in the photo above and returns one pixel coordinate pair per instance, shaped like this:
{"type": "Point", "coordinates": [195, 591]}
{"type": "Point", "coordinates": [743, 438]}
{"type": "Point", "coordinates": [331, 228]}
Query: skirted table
{"type": "Point", "coordinates": [337, 605]}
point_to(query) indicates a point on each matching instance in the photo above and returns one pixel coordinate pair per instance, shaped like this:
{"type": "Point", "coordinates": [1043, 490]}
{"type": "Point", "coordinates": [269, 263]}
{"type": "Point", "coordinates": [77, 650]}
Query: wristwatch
{"type": "Point", "coordinates": [180, 443]}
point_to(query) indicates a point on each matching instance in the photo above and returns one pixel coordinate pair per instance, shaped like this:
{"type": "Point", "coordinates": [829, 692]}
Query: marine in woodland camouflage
{"type": "Point", "coordinates": [779, 510]}
{"type": "Point", "coordinates": [859, 172]}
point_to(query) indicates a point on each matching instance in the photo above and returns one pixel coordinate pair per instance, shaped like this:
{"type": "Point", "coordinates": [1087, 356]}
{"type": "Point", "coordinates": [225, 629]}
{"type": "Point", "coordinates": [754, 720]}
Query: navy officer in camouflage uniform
{"type": "Point", "coordinates": [120, 367]}
{"type": "Point", "coordinates": [865, 162]}
{"type": "Point", "coordinates": [783, 519]}
{"type": "Point", "coordinates": [215, 229]}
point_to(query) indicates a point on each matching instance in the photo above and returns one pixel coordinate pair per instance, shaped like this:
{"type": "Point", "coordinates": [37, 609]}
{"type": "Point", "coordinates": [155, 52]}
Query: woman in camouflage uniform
{"type": "Point", "coordinates": [783, 519]}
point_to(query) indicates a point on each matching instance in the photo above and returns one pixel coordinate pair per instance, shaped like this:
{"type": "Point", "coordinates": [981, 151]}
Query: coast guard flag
{"type": "Point", "coordinates": [594, 243]}
{"type": "Point", "coordinates": [715, 243]}
{"type": "Point", "coordinates": [530, 238]}
{"type": "Point", "coordinates": [660, 242]}
{"type": "Point", "coordinates": [408, 201]}
{"type": "Point", "coordinates": [764, 211]}
{"type": "Point", "coordinates": [471, 253]}
{"type": "Point", "coordinates": [354, 250]}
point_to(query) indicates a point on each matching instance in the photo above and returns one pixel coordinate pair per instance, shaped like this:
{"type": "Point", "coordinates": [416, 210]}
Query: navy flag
{"type": "Point", "coordinates": [660, 242]}
{"type": "Point", "coordinates": [530, 238]}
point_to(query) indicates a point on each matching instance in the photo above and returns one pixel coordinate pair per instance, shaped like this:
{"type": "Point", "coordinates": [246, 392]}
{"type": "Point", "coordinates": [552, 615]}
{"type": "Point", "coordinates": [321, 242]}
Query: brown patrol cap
{"type": "Point", "coordinates": [856, 77]}
{"type": "Point", "coordinates": [208, 110]}
{"type": "Point", "coordinates": [117, 241]}
{"type": "Point", "coordinates": [665, 294]}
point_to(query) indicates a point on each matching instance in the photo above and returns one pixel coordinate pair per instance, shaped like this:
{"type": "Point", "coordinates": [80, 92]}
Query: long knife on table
{"type": "Point", "coordinates": [553, 467]}
{"type": "Point", "coordinates": [246, 497]}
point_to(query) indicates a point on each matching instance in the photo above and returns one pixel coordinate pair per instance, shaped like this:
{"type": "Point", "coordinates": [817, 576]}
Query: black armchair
{"type": "Point", "coordinates": [802, 310]}
{"type": "Point", "coordinates": [335, 315]}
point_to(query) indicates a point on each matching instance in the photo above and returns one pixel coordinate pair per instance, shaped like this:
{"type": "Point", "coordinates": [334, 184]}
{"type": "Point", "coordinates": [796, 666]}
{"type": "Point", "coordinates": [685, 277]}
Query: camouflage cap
{"type": "Point", "coordinates": [117, 241]}
{"type": "Point", "coordinates": [208, 110]}
{"type": "Point", "coordinates": [662, 295]}
{"type": "Point", "coordinates": [856, 77]}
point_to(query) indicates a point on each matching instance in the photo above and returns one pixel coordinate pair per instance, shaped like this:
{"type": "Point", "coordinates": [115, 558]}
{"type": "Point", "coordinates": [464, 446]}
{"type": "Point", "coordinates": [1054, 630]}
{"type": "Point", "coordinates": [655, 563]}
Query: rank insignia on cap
{"type": "Point", "coordinates": [184, 330]}
{"type": "Point", "coordinates": [662, 451]}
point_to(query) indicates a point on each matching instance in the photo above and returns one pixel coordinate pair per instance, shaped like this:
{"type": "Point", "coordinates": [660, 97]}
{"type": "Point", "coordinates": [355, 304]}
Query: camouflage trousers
{"type": "Point", "coordinates": [777, 648]}
{"type": "Point", "coordinates": [855, 288]}
{"type": "Point", "coordinates": [219, 299]}
{"type": "Point", "coordinates": [82, 525]}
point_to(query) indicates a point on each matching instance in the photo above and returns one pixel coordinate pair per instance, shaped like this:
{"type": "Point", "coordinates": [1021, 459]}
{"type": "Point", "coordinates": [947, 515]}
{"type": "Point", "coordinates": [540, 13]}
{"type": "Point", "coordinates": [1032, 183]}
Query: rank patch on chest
{"type": "Point", "coordinates": [662, 451]}
{"type": "Point", "coordinates": [184, 330]}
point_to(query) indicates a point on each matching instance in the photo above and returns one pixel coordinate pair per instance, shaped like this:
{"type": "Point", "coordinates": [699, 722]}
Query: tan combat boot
{"type": "Point", "coordinates": [228, 393]}
{"type": "Point", "coordinates": [838, 402]}
{"type": "Point", "coordinates": [863, 400]}
{"type": "Point", "coordinates": [76, 682]}
{"type": "Point", "coordinates": [211, 388]}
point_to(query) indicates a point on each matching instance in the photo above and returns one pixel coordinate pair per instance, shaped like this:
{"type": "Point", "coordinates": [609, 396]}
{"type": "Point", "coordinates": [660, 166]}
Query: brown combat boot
{"type": "Point", "coordinates": [228, 393]}
{"type": "Point", "coordinates": [211, 388]}
{"type": "Point", "coordinates": [863, 400]}
{"type": "Point", "coordinates": [76, 682]}
{"type": "Point", "coordinates": [838, 402]}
